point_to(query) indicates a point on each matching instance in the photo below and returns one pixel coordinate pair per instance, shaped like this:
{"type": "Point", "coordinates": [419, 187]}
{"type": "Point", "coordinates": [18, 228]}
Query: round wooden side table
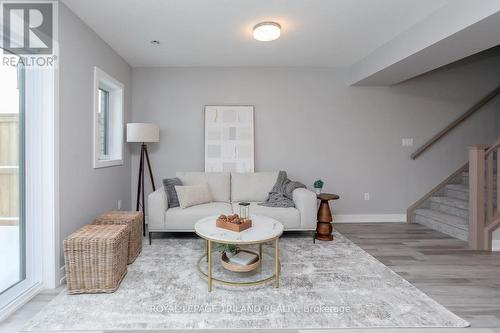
{"type": "Point", "coordinates": [324, 226]}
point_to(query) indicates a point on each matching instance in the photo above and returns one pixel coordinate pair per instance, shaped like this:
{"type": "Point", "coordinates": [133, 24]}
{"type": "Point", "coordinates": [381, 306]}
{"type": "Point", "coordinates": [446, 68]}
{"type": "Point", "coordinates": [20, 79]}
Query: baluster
{"type": "Point", "coordinates": [498, 181]}
{"type": "Point", "coordinates": [489, 188]}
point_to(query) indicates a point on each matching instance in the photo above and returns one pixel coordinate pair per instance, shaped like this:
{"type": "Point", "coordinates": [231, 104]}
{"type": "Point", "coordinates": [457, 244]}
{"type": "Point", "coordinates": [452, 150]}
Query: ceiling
{"type": "Point", "coordinates": [219, 32]}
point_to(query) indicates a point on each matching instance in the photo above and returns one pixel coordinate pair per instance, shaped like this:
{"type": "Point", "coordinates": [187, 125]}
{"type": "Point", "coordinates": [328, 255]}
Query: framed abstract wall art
{"type": "Point", "coordinates": [229, 138]}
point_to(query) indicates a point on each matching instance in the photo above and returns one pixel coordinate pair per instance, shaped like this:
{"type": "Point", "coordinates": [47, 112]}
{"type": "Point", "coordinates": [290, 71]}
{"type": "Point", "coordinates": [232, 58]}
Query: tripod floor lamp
{"type": "Point", "coordinates": [143, 133]}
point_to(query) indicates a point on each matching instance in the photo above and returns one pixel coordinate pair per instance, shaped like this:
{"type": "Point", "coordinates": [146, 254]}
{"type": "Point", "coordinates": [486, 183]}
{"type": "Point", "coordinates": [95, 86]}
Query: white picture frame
{"type": "Point", "coordinates": [229, 138]}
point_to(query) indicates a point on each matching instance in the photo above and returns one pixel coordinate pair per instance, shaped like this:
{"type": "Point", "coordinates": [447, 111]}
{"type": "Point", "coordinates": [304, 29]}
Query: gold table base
{"type": "Point", "coordinates": [210, 278]}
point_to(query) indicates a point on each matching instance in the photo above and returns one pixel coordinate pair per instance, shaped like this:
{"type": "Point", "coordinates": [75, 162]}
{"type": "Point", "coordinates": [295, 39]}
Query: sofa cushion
{"type": "Point", "coordinates": [192, 195]}
{"type": "Point", "coordinates": [289, 217]}
{"type": "Point", "coordinates": [218, 182]}
{"type": "Point", "coordinates": [185, 219]}
{"type": "Point", "coordinates": [252, 186]}
{"type": "Point", "coordinates": [169, 185]}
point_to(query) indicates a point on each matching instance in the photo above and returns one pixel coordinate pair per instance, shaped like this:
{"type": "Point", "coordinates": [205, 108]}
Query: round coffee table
{"type": "Point", "coordinates": [264, 229]}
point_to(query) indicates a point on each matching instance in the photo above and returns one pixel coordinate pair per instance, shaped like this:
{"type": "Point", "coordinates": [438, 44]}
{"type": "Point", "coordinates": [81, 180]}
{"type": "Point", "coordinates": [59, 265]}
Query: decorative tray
{"type": "Point", "coordinates": [233, 223]}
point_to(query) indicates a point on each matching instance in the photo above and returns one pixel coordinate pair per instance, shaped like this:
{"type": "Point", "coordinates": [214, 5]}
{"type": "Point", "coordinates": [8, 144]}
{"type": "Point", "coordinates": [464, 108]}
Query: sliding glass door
{"type": "Point", "coordinates": [12, 176]}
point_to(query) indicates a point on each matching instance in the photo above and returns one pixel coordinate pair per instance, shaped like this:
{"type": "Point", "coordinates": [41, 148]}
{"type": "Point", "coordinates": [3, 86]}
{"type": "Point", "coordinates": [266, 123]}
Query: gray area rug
{"type": "Point", "coordinates": [323, 285]}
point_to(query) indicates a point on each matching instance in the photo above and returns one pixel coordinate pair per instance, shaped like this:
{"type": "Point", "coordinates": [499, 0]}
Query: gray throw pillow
{"type": "Point", "coordinates": [169, 184]}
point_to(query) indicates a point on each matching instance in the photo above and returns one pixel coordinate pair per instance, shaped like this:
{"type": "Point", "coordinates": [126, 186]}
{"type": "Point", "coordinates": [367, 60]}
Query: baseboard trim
{"type": "Point", "coordinates": [24, 298]}
{"type": "Point", "coordinates": [62, 275]}
{"type": "Point", "coordinates": [369, 218]}
{"type": "Point", "coordinates": [495, 245]}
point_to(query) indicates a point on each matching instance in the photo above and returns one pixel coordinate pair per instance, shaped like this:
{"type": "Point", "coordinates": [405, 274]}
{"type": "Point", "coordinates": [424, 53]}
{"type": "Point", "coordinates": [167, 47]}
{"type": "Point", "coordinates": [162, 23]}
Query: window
{"type": "Point", "coordinates": [108, 120]}
{"type": "Point", "coordinates": [103, 123]}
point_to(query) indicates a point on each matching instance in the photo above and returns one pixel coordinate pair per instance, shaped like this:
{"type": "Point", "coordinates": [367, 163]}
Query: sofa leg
{"type": "Point", "coordinates": [150, 238]}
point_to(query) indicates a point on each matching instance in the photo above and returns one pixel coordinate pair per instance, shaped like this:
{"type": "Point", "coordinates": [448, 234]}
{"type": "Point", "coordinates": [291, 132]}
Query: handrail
{"type": "Point", "coordinates": [485, 100]}
{"type": "Point", "coordinates": [411, 209]}
{"type": "Point", "coordinates": [492, 148]}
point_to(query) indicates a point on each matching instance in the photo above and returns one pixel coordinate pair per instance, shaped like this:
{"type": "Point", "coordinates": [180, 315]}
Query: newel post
{"type": "Point", "coordinates": [498, 180]}
{"type": "Point", "coordinates": [476, 198]}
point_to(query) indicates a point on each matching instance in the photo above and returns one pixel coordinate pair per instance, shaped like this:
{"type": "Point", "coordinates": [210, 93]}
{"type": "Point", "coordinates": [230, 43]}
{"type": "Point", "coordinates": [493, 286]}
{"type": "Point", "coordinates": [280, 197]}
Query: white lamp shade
{"type": "Point", "coordinates": [143, 132]}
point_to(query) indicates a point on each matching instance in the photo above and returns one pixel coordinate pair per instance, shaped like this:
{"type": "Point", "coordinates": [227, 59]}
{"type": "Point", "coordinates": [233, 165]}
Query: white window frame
{"type": "Point", "coordinates": [102, 80]}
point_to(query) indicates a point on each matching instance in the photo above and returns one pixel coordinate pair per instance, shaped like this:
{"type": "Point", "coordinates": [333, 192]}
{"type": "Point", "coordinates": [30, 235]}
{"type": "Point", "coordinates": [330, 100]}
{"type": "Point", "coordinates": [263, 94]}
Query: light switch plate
{"type": "Point", "coordinates": [367, 195]}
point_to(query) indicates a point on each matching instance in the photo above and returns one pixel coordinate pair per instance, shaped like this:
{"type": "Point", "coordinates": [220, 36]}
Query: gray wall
{"type": "Point", "coordinates": [309, 122]}
{"type": "Point", "coordinates": [85, 192]}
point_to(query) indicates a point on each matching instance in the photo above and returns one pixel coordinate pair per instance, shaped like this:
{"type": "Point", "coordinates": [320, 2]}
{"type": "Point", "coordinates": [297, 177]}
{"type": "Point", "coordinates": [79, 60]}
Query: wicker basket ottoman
{"type": "Point", "coordinates": [131, 219]}
{"type": "Point", "coordinates": [96, 258]}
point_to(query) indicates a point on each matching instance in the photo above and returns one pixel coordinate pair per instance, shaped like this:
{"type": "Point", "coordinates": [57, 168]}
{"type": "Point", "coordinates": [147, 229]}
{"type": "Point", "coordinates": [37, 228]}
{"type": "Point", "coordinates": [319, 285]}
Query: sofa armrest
{"type": "Point", "coordinates": [157, 205]}
{"type": "Point", "coordinates": [306, 203]}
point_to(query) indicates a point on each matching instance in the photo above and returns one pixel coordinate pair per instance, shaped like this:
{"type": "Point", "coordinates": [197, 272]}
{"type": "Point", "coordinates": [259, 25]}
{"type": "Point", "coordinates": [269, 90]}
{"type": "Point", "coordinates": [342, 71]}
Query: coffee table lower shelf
{"type": "Point", "coordinates": [234, 283]}
{"type": "Point", "coordinates": [269, 270]}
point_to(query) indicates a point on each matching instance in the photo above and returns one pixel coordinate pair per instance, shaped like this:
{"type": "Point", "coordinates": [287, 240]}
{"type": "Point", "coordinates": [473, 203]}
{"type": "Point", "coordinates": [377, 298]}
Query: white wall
{"type": "Point", "coordinates": [86, 192]}
{"type": "Point", "coordinates": [309, 122]}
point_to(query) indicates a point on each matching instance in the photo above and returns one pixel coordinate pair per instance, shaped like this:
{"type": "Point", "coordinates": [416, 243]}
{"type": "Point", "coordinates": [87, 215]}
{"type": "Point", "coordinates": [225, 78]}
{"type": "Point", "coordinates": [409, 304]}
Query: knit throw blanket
{"type": "Point", "coordinates": [281, 193]}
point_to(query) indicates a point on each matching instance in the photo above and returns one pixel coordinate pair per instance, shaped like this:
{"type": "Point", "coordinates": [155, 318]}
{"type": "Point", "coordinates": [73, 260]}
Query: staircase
{"type": "Point", "coordinates": [466, 205]}
{"type": "Point", "coordinates": [447, 209]}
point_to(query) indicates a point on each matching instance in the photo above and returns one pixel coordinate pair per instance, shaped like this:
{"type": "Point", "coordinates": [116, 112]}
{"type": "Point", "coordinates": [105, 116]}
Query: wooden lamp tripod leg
{"type": "Point", "coordinates": [142, 196]}
{"type": "Point", "coordinates": [146, 154]}
{"type": "Point", "coordinates": [139, 182]}
{"type": "Point", "coordinates": [140, 186]}
{"type": "Point", "coordinates": [149, 167]}
{"type": "Point", "coordinates": [140, 190]}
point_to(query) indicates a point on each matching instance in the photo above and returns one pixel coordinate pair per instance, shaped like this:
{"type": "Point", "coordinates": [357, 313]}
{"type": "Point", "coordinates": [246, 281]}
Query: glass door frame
{"type": "Point", "coordinates": [21, 178]}
{"type": "Point", "coordinates": [41, 119]}
{"type": "Point", "coordinates": [30, 281]}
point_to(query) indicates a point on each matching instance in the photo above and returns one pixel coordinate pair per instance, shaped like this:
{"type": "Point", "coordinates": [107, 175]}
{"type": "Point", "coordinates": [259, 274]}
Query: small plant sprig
{"type": "Point", "coordinates": [318, 184]}
{"type": "Point", "coordinates": [227, 248]}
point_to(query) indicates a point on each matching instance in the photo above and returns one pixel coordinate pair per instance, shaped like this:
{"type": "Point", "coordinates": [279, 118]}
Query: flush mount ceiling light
{"type": "Point", "coordinates": [155, 42]}
{"type": "Point", "coordinates": [266, 31]}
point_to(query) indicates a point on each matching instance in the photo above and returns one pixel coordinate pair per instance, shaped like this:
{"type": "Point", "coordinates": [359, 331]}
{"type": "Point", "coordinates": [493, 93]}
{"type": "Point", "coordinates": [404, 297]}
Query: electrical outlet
{"type": "Point", "coordinates": [119, 205]}
{"type": "Point", "coordinates": [407, 142]}
{"type": "Point", "coordinates": [367, 195]}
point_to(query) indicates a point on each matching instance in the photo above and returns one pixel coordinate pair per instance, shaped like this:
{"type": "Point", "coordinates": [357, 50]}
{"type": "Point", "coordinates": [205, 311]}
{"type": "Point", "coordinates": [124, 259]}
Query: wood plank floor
{"type": "Point", "coordinates": [466, 282]}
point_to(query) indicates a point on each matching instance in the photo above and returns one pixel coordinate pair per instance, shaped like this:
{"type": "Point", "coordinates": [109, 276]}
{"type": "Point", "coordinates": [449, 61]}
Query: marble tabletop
{"type": "Point", "coordinates": [263, 229]}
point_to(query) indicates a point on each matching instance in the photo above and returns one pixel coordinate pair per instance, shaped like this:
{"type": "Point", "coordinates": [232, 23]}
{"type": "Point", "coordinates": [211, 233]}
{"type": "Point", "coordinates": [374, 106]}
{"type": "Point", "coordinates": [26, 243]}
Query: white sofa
{"type": "Point", "coordinates": [228, 189]}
